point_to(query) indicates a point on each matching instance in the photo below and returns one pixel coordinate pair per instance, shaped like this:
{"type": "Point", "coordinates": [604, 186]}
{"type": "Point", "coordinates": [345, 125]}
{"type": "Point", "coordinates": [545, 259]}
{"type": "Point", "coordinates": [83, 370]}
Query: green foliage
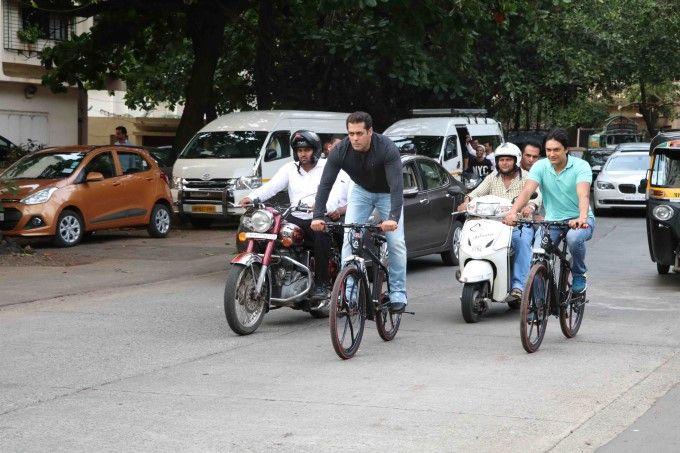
{"type": "Point", "coordinates": [29, 34]}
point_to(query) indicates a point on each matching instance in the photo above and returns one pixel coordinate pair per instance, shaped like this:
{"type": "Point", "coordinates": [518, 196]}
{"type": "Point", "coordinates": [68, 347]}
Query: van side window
{"type": "Point", "coordinates": [451, 148]}
{"type": "Point", "coordinates": [278, 146]}
{"type": "Point", "coordinates": [132, 163]}
{"type": "Point", "coordinates": [102, 163]}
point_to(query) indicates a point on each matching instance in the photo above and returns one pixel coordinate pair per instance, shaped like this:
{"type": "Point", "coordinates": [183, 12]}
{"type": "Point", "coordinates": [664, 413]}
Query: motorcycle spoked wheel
{"type": "Point", "coordinates": [243, 310]}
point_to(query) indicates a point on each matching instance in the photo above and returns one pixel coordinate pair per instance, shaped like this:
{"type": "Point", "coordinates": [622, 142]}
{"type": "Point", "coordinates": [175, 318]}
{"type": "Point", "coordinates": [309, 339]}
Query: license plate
{"type": "Point", "coordinates": [205, 208]}
{"type": "Point", "coordinates": [260, 236]}
{"type": "Point", "coordinates": [640, 197]}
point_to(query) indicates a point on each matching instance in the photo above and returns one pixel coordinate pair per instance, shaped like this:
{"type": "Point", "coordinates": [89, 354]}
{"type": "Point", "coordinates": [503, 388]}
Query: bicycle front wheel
{"type": "Point", "coordinates": [535, 308]}
{"type": "Point", "coordinates": [571, 308]}
{"type": "Point", "coordinates": [347, 312]}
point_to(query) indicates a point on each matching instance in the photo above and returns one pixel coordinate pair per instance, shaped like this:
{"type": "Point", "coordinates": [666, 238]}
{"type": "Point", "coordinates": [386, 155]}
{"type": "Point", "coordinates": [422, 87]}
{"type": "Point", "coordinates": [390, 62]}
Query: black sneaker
{"type": "Point", "coordinates": [397, 307]}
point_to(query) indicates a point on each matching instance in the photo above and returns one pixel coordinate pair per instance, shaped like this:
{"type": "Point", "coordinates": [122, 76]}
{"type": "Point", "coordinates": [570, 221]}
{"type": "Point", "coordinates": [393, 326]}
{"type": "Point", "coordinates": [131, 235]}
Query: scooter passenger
{"type": "Point", "coordinates": [301, 178]}
{"type": "Point", "coordinates": [507, 182]}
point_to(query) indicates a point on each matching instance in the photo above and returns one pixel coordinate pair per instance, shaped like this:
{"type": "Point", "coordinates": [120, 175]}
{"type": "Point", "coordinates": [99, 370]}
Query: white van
{"type": "Point", "coordinates": [441, 133]}
{"type": "Point", "coordinates": [235, 153]}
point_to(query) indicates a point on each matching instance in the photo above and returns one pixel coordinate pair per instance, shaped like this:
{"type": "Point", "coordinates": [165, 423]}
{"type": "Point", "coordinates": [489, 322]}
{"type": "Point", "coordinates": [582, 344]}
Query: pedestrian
{"type": "Point", "coordinates": [328, 145]}
{"type": "Point", "coordinates": [531, 152]}
{"type": "Point", "coordinates": [373, 162]}
{"type": "Point", "coordinates": [121, 137]}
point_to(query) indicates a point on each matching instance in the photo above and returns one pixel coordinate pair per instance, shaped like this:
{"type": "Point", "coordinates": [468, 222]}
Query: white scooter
{"type": "Point", "coordinates": [485, 256]}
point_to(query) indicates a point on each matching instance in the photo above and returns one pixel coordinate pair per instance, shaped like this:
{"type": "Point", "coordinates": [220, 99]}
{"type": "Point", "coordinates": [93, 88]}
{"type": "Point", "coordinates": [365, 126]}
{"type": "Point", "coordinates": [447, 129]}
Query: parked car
{"type": "Point", "coordinates": [66, 192]}
{"type": "Point", "coordinates": [165, 156]}
{"type": "Point", "coordinates": [431, 196]}
{"type": "Point", "coordinates": [597, 157]}
{"type": "Point", "coordinates": [639, 147]}
{"type": "Point", "coordinates": [621, 183]}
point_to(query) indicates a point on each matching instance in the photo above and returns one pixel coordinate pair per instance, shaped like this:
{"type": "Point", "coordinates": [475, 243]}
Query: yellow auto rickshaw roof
{"type": "Point", "coordinates": [665, 140]}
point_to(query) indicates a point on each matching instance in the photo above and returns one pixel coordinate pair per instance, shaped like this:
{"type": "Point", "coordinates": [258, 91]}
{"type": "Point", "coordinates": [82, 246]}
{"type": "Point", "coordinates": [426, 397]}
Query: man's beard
{"type": "Point", "coordinates": [507, 173]}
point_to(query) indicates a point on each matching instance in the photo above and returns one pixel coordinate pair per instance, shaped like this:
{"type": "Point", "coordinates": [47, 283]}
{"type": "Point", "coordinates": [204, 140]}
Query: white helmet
{"type": "Point", "coordinates": [508, 149]}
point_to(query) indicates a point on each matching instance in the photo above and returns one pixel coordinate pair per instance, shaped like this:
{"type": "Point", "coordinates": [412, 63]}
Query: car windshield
{"type": "Point", "coordinates": [225, 145]}
{"type": "Point", "coordinates": [44, 166]}
{"type": "Point", "coordinates": [429, 146]}
{"type": "Point", "coordinates": [628, 163]}
{"type": "Point", "coordinates": [666, 171]}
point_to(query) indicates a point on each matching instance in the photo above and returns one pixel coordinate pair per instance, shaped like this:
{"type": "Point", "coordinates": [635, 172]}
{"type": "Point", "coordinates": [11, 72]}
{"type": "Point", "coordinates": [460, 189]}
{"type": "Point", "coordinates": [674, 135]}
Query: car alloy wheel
{"type": "Point", "coordinates": [162, 220]}
{"type": "Point", "coordinates": [70, 229]}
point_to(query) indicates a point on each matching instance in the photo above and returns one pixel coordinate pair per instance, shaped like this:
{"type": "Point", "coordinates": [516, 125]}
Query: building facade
{"type": "Point", "coordinates": [28, 110]}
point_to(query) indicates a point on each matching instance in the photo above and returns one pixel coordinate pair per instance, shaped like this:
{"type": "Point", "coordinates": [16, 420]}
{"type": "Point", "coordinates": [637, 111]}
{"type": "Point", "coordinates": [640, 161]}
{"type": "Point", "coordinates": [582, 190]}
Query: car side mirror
{"type": "Point", "coordinates": [454, 190]}
{"type": "Point", "coordinates": [270, 154]}
{"type": "Point", "coordinates": [410, 193]}
{"type": "Point", "coordinates": [94, 176]}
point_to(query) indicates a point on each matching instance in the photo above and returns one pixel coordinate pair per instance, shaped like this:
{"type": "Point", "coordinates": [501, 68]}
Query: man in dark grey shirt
{"type": "Point", "coordinates": [374, 164]}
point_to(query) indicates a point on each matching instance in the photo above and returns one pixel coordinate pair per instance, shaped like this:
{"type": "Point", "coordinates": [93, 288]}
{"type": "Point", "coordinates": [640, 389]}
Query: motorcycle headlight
{"type": "Point", "coordinates": [177, 182]}
{"type": "Point", "coordinates": [247, 183]}
{"type": "Point", "coordinates": [604, 185]}
{"type": "Point", "coordinates": [662, 212]}
{"type": "Point", "coordinates": [261, 221]}
{"type": "Point", "coordinates": [42, 196]}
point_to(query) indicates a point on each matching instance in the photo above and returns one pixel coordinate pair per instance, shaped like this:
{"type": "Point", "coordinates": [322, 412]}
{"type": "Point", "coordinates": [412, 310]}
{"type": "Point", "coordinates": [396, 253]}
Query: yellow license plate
{"type": "Point", "coordinates": [203, 208]}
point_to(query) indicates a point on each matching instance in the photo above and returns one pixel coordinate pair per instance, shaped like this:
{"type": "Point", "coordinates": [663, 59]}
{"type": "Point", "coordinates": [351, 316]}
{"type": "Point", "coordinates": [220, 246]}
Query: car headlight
{"type": "Point", "coordinates": [662, 212]}
{"type": "Point", "coordinates": [604, 185]}
{"type": "Point", "coordinates": [42, 196]}
{"type": "Point", "coordinates": [177, 182]}
{"type": "Point", "coordinates": [261, 221]}
{"type": "Point", "coordinates": [247, 183]}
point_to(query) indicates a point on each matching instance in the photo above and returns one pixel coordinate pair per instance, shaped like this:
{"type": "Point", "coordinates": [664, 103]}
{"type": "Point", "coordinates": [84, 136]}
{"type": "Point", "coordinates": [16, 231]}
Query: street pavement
{"type": "Point", "coordinates": [154, 367]}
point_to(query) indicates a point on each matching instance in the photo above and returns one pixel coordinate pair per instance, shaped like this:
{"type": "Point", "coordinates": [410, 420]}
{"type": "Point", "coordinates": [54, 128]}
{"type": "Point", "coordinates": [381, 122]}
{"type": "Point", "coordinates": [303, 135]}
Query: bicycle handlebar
{"type": "Point", "coordinates": [548, 223]}
{"type": "Point", "coordinates": [355, 226]}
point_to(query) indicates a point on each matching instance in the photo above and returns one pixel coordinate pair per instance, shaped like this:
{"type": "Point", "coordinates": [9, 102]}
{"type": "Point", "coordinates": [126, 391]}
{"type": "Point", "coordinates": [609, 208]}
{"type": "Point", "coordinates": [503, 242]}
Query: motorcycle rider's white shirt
{"type": "Point", "coordinates": [301, 185]}
{"type": "Point", "coordinates": [339, 192]}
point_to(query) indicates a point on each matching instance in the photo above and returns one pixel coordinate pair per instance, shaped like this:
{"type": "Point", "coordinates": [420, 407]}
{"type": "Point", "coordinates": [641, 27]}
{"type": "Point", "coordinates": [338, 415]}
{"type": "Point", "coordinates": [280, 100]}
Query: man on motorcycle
{"type": "Point", "coordinates": [301, 178]}
{"type": "Point", "coordinates": [507, 182]}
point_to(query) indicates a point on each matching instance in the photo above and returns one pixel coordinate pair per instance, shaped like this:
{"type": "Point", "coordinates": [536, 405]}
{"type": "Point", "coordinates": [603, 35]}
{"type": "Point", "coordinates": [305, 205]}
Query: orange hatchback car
{"type": "Point", "coordinates": [67, 192]}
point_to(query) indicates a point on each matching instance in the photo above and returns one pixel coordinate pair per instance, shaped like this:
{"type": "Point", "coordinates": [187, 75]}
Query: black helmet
{"type": "Point", "coordinates": [305, 139]}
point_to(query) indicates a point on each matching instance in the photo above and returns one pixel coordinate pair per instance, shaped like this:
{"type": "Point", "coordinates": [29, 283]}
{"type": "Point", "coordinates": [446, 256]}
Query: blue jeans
{"type": "Point", "coordinates": [576, 243]}
{"type": "Point", "coordinates": [360, 205]}
{"type": "Point", "coordinates": [522, 238]}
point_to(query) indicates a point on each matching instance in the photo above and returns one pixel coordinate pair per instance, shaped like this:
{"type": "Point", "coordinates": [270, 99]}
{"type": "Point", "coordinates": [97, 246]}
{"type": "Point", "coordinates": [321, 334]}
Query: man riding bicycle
{"type": "Point", "coordinates": [507, 182]}
{"type": "Point", "coordinates": [301, 178]}
{"type": "Point", "coordinates": [374, 164]}
{"type": "Point", "coordinates": [564, 181]}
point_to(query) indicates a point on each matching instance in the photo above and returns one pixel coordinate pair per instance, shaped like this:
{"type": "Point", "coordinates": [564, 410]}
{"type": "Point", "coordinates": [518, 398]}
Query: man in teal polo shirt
{"type": "Point", "coordinates": [565, 182]}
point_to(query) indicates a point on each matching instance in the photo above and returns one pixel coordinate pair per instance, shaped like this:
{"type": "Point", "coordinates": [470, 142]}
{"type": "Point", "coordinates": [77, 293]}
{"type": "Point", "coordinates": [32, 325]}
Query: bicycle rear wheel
{"type": "Point", "coordinates": [347, 312]}
{"type": "Point", "coordinates": [535, 308]}
{"type": "Point", "coordinates": [387, 323]}
{"type": "Point", "coordinates": [571, 309]}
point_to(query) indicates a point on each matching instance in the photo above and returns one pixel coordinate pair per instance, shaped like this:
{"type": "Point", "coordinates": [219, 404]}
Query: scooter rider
{"type": "Point", "coordinates": [301, 177]}
{"type": "Point", "coordinates": [507, 182]}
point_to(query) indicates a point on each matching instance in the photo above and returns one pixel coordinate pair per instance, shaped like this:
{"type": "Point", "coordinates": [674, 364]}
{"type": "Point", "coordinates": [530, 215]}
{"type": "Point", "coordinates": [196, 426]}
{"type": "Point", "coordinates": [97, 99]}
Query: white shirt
{"type": "Point", "coordinates": [339, 192]}
{"type": "Point", "coordinates": [302, 186]}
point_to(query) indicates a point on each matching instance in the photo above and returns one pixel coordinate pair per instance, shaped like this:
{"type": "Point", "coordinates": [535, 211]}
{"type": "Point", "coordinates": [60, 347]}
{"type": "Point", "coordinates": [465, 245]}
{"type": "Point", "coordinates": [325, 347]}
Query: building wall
{"type": "Point", "coordinates": [141, 131]}
{"type": "Point", "coordinates": [46, 118]}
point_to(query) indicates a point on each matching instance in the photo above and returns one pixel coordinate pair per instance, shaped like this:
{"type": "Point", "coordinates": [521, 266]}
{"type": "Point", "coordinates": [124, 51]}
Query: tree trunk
{"type": "Point", "coordinates": [205, 26]}
{"type": "Point", "coordinates": [264, 67]}
{"type": "Point", "coordinates": [646, 111]}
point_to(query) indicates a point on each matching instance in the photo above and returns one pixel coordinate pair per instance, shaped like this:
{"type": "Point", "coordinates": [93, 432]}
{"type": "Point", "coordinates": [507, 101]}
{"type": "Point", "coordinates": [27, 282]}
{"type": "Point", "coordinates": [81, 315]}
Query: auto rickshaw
{"type": "Point", "coordinates": [663, 201]}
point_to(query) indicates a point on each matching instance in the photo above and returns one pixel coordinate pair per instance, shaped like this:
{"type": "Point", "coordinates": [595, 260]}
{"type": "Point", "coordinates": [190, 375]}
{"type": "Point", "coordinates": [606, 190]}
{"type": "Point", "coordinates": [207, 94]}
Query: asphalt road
{"type": "Point", "coordinates": [154, 367]}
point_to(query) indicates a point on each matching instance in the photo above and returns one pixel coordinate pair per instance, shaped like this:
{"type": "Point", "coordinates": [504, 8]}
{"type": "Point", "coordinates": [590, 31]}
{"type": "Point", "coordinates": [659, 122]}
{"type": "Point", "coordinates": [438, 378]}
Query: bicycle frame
{"type": "Point", "coordinates": [547, 253]}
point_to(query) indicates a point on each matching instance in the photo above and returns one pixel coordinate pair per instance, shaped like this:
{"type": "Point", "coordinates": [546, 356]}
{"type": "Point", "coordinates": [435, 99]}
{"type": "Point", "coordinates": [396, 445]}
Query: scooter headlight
{"type": "Point", "coordinates": [487, 209]}
{"type": "Point", "coordinates": [261, 221]}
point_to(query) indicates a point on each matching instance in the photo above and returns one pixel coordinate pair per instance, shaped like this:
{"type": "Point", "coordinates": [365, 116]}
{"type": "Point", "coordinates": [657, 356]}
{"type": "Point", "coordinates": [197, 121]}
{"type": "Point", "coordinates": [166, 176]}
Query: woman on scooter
{"type": "Point", "coordinates": [507, 182]}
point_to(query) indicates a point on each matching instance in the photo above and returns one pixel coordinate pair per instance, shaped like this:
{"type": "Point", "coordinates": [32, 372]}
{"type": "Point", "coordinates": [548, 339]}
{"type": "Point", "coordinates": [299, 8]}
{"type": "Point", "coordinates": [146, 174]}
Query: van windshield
{"type": "Point", "coordinates": [666, 170]}
{"type": "Point", "coordinates": [429, 146]}
{"type": "Point", "coordinates": [44, 166]}
{"type": "Point", "coordinates": [225, 145]}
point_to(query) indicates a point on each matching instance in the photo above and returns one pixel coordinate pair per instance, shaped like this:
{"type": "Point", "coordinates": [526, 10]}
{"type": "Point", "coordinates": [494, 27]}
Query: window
{"type": "Point", "coordinates": [45, 166]}
{"type": "Point", "coordinates": [666, 170]}
{"type": "Point", "coordinates": [225, 145]}
{"type": "Point", "coordinates": [278, 146]}
{"type": "Point", "coordinates": [628, 163]}
{"type": "Point", "coordinates": [409, 175]}
{"type": "Point", "coordinates": [451, 148]}
{"type": "Point", "coordinates": [102, 163]}
{"type": "Point", "coordinates": [132, 163]}
{"type": "Point", "coordinates": [422, 145]}
{"type": "Point", "coordinates": [432, 178]}
{"type": "Point", "coordinates": [51, 26]}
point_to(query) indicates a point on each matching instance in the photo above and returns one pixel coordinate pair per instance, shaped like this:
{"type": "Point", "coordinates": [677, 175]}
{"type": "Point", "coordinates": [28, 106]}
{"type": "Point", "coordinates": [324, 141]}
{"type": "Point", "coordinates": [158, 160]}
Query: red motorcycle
{"type": "Point", "coordinates": [275, 270]}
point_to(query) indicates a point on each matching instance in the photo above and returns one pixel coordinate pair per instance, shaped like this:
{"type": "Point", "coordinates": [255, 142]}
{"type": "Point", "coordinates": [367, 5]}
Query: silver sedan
{"type": "Point", "coordinates": [621, 183]}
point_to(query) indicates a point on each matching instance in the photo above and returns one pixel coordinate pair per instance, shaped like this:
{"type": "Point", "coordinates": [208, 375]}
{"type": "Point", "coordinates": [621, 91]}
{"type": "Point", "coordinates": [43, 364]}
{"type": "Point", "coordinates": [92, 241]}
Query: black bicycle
{"type": "Point", "coordinates": [361, 291]}
{"type": "Point", "coordinates": [545, 294]}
